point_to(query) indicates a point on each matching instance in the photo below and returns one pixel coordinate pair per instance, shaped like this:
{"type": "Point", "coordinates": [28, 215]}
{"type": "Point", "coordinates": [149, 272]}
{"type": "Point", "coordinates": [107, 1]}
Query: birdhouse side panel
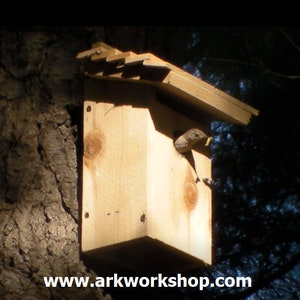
{"type": "Point", "coordinates": [178, 200]}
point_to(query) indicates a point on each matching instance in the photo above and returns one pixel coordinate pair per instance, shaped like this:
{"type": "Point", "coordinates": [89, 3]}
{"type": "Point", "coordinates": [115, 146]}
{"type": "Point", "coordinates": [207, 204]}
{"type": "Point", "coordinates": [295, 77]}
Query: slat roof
{"type": "Point", "coordinates": [105, 62]}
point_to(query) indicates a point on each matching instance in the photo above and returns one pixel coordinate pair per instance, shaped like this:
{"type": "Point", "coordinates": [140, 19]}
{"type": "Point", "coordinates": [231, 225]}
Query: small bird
{"type": "Point", "coordinates": [186, 141]}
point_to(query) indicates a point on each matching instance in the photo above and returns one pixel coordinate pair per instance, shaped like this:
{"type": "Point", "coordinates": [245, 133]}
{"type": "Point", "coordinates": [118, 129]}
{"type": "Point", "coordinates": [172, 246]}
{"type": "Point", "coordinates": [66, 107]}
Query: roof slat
{"type": "Point", "coordinates": [199, 84]}
{"type": "Point", "coordinates": [147, 60]}
{"type": "Point", "coordinates": [88, 53]}
{"type": "Point", "coordinates": [103, 55]}
{"type": "Point", "coordinates": [207, 96]}
{"type": "Point", "coordinates": [96, 49]}
{"type": "Point", "coordinates": [138, 59]}
{"type": "Point", "coordinates": [119, 57]}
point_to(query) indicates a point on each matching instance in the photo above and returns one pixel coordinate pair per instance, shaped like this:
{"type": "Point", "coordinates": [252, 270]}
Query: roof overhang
{"type": "Point", "coordinates": [105, 62]}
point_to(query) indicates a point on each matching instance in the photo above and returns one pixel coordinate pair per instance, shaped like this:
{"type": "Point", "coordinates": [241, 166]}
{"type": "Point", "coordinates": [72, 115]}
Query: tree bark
{"type": "Point", "coordinates": [41, 93]}
{"type": "Point", "coordinates": [40, 83]}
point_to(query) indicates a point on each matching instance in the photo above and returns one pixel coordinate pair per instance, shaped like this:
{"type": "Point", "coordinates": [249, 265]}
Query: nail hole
{"type": "Point", "coordinates": [86, 215]}
{"type": "Point", "coordinates": [89, 108]}
{"type": "Point", "coordinates": [143, 218]}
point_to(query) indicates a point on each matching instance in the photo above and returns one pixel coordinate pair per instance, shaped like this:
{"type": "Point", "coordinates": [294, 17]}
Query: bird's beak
{"type": "Point", "coordinates": [208, 141]}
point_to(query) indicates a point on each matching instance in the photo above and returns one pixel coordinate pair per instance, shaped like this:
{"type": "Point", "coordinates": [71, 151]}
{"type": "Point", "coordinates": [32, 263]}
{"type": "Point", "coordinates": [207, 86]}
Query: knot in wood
{"type": "Point", "coordinates": [93, 144]}
{"type": "Point", "coordinates": [190, 195]}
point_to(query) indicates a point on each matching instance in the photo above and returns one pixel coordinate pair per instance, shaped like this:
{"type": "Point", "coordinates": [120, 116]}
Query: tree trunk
{"type": "Point", "coordinates": [41, 96]}
{"type": "Point", "coordinates": [39, 87]}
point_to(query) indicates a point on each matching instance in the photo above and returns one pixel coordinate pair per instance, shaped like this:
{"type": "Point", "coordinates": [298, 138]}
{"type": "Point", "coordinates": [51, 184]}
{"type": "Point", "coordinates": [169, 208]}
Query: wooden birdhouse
{"type": "Point", "coordinates": [145, 206]}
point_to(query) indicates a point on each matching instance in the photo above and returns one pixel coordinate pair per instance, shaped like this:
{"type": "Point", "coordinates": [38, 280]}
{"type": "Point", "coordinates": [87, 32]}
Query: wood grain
{"type": "Point", "coordinates": [135, 184]}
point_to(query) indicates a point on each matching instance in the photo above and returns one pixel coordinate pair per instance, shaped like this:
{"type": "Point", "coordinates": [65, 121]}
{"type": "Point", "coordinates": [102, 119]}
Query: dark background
{"type": "Point", "coordinates": [256, 205]}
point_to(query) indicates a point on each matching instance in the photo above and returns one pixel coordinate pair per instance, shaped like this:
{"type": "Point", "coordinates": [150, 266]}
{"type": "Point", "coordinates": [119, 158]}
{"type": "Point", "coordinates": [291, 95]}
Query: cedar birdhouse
{"type": "Point", "coordinates": [146, 207]}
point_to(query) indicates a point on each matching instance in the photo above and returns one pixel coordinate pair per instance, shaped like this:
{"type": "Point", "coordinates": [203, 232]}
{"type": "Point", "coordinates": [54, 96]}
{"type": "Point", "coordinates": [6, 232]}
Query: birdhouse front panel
{"type": "Point", "coordinates": [135, 183]}
{"type": "Point", "coordinates": [114, 185]}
